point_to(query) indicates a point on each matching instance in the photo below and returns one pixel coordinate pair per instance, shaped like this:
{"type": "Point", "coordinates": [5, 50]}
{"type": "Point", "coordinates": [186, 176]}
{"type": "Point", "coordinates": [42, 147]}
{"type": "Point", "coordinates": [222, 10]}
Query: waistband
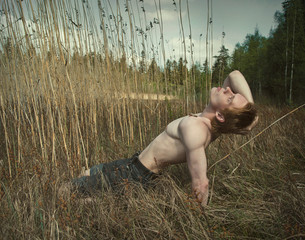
{"type": "Point", "coordinates": [137, 163]}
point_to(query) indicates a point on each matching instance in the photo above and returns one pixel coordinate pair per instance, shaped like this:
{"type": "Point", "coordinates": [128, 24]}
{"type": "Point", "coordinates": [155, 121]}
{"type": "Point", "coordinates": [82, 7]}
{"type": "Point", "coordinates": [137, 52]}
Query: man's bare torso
{"type": "Point", "coordinates": [167, 148]}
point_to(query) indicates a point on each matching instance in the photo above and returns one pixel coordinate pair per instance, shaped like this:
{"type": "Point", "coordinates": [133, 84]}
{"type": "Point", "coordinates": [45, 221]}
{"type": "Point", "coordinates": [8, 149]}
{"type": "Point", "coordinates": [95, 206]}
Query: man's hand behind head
{"type": "Point", "coordinates": [253, 124]}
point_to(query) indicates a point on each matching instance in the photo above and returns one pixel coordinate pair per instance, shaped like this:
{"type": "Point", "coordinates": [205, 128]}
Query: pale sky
{"type": "Point", "coordinates": [236, 18]}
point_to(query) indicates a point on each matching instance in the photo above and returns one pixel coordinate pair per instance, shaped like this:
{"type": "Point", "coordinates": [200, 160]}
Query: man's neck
{"type": "Point", "coordinates": [209, 112]}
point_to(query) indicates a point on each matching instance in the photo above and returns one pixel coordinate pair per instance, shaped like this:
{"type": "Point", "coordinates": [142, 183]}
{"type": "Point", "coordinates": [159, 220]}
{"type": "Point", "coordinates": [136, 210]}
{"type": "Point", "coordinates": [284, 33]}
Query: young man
{"type": "Point", "coordinates": [230, 110]}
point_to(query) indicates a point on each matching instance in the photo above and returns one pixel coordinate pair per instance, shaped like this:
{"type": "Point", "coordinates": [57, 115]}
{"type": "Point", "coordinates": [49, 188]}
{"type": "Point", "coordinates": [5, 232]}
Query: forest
{"type": "Point", "coordinates": [274, 65]}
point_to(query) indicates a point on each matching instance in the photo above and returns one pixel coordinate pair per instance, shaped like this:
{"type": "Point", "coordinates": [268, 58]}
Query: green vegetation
{"type": "Point", "coordinates": [275, 65]}
{"type": "Point", "coordinates": [66, 103]}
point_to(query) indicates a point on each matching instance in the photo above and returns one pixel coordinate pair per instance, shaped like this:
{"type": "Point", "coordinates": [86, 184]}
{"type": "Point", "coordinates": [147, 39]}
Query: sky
{"type": "Point", "coordinates": [240, 17]}
{"type": "Point", "coordinates": [236, 18]}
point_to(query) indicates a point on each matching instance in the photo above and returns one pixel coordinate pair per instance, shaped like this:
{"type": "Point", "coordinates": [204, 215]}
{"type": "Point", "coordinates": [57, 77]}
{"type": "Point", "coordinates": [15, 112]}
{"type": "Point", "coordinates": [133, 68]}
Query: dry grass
{"type": "Point", "coordinates": [57, 116]}
{"type": "Point", "coordinates": [258, 192]}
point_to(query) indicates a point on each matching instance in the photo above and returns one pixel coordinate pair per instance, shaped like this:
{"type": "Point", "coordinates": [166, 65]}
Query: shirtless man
{"type": "Point", "coordinates": [230, 110]}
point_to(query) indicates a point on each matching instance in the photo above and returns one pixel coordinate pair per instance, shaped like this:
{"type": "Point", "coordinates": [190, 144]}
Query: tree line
{"type": "Point", "coordinates": [274, 66]}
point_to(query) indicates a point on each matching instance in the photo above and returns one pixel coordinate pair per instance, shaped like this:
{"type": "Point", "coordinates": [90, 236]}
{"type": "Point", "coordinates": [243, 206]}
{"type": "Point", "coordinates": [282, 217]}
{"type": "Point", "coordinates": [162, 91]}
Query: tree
{"type": "Point", "coordinates": [254, 49]}
{"type": "Point", "coordinates": [294, 21]}
{"type": "Point", "coordinates": [152, 70]}
{"type": "Point", "coordinates": [142, 67]}
{"type": "Point", "coordinates": [181, 71]}
{"type": "Point", "coordinates": [199, 77]}
{"type": "Point", "coordinates": [221, 65]}
{"type": "Point", "coordinates": [168, 69]}
{"type": "Point", "coordinates": [286, 53]}
{"type": "Point", "coordinates": [250, 58]}
{"type": "Point", "coordinates": [237, 57]}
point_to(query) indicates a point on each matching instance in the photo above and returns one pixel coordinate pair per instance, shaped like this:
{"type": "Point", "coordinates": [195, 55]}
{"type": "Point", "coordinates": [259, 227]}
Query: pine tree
{"type": "Point", "coordinates": [221, 66]}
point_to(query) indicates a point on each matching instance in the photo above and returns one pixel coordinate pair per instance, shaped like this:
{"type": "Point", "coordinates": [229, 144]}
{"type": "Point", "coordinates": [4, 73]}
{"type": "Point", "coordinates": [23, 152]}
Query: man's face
{"type": "Point", "coordinates": [223, 98]}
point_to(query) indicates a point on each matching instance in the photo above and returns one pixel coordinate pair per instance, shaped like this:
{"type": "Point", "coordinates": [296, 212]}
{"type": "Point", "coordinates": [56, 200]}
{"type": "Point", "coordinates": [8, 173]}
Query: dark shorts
{"type": "Point", "coordinates": [114, 174]}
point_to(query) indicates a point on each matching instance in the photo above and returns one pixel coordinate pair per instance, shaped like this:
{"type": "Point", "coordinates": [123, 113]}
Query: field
{"type": "Point", "coordinates": [257, 192]}
{"type": "Point", "coordinates": [61, 112]}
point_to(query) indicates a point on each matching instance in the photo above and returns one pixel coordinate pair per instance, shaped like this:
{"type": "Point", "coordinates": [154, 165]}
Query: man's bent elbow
{"type": "Point", "coordinates": [235, 73]}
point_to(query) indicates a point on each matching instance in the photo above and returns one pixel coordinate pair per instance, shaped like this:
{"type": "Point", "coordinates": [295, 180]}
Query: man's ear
{"type": "Point", "coordinates": [220, 117]}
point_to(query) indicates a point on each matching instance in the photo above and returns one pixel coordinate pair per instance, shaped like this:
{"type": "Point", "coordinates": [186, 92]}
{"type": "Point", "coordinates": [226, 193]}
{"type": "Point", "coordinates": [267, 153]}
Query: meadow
{"type": "Point", "coordinates": [67, 102]}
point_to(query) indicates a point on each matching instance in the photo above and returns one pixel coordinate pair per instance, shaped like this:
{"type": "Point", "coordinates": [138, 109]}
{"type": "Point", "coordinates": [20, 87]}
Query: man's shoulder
{"type": "Point", "coordinates": [194, 122]}
{"type": "Point", "coordinates": [194, 128]}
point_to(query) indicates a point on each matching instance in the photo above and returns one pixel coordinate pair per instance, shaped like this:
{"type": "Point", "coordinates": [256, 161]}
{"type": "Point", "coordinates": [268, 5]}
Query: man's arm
{"type": "Point", "coordinates": [193, 135]}
{"type": "Point", "coordinates": [197, 164]}
{"type": "Point", "coordinates": [238, 84]}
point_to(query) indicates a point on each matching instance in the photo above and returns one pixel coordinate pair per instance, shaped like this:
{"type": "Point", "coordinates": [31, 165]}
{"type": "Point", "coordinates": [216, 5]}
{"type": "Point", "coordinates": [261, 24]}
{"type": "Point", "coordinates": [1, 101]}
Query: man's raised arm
{"type": "Point", "coordinates": [238, 84]}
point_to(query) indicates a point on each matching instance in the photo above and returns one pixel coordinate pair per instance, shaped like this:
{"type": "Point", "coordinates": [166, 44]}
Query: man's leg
{"type": "Point", "coordinates": [88, 181]}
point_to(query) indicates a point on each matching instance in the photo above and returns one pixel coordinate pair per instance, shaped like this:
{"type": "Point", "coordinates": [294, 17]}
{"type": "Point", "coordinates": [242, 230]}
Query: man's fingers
{"type": "Point", "coordinates": [253, 124]}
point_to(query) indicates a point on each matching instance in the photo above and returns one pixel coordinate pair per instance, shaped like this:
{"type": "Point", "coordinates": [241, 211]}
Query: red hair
{"type": "Point", "coordinates": [236, 120]}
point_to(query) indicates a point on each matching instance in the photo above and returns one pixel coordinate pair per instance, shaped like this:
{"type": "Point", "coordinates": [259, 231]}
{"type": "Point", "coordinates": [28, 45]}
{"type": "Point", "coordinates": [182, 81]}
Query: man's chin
{"type": "Point", "coordinates": [213, 89]}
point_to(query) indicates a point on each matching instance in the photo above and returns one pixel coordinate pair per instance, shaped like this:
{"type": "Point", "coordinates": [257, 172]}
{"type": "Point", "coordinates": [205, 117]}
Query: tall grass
{"type": "Point", "coordinates": [65, 103]}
